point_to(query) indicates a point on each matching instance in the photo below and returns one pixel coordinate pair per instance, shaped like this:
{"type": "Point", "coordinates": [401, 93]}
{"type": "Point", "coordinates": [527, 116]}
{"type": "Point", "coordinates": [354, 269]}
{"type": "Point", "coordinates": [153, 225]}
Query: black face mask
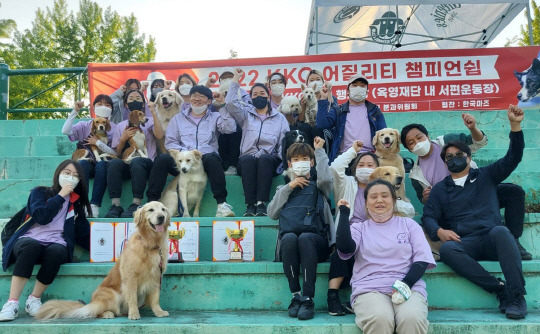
{"type": "Point", "coordinates": [260, 102]}
{"type": "Point", "coordinates": [457, 165]}
{"type": "Point", "coordinates": [135, 105]}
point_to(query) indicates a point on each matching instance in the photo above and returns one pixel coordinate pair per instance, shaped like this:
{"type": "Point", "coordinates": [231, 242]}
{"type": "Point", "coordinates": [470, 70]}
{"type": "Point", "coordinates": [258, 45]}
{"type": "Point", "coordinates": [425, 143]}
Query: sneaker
{"type": "Point", "coordinates": [261, 210]}
{"type": "Point", "coordinates": [231, 171]}
{"type": "Point", "coordinates": [10, 311]}
{"type": "Point", "coordinates": [526, 256]}
{"type": "Point", "coordinates": [294, 306]}
{"type": "Point", "coordinates": [224, 210]}
{"type": "Point", "coordinates": [348, 307]}
{"type": "Point", "coordinates": [502, 296]}
{"type": "Point", "coordinates": [307, 309]}
{"type": "Point", "coordinates": [334, 304]}
{"type": "Point", "coordinates": [130, 210]}
{"type": "Point", "coordinates": [32, 305]}
{"type": "Point", "coordinates": [115, 211]}
{"type": "Point", "coordinates": [95, 210]}
{"type": "Point", "coordinates": [250, 211]}
{"type": "Point", "coordinates": [517, 308]}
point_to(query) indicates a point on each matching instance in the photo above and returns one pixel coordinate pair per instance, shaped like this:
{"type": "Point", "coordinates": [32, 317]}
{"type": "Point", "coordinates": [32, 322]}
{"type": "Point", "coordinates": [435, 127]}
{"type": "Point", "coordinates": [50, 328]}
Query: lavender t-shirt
{"type": "Point", "coordinates": [148, 130]}
{"type": "Point", "coordinates": [384, 253]}
{"type": "Point", "coordinates": [357, 128]}
{"type": "Point", "coordinates": [433, 167]}
{"type": "Point", "coordinates": [359, 213]}
{"type": "Point", "coordinates": [195, 119]}
{"type": "Point", "coordinates": [81, 131]}
{"type": "Point", "coordinates": [53, 232]}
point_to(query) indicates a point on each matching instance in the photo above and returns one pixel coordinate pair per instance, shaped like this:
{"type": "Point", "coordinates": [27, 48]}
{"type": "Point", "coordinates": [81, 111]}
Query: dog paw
{"type": "Point", "coordinates": [107, 315]}
{"type": "Point", "coordinates": [196, 214]}
{"type": "Point", "coordinates": [186, 214]}
{"type": "Point", "coordinates": [134, 315]}
{"type": "Point", "coordinates": [161, 314]}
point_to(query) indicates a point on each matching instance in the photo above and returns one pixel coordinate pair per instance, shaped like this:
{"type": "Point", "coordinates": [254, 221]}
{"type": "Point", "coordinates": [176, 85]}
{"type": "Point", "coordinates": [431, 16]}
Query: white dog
{"type": "Point", "coordinates": [308, 94]}
{"type": "Point", "coordinates": [289, 105]}
{"type": "Point", "coordinates": [189, 185]}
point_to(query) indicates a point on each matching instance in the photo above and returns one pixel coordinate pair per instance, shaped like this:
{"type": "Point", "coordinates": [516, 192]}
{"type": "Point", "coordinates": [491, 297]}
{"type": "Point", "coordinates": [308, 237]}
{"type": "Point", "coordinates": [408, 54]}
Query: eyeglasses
{"type": "Point", "coordinates": [450, 156]}
{"type": "Point", "coordinates": [67, 172]}
{"type": "Point", "coordinates": [198, 97]}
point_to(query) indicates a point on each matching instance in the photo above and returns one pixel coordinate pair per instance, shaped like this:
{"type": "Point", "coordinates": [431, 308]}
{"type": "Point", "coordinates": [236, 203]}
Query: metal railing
{"type": "Point", "coordinates": [6, 73]}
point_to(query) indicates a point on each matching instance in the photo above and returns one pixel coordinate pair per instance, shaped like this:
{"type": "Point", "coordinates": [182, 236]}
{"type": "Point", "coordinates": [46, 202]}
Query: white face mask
{"type": "Point", "coordinates": [362, 174]}
{"type": "Point", "coordinates": [103, 111]}
{"type": "Point", "coordinates": [422, 148]}
{"type": "Point", "coordinates": [277, 89]}
{"type": "Point", "coordinates": [381, 217]}
{"type": "Point", "coordinates": [199, 110]}
{"type": "Point", "coordinates": [301, 168]}
{"type": "Point", "coordinates": [64, 180]}
{"type": "Point", "coordinates": [318, 83]}
{"type": "Point", "coordinates": [184, 89]}
{"type": "Point", "coordinates": [358, 94]}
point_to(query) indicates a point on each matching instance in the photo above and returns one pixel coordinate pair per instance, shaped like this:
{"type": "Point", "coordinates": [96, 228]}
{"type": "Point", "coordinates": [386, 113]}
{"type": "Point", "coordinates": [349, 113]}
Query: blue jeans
{"type": "Point", "coordinates": [99, 173]}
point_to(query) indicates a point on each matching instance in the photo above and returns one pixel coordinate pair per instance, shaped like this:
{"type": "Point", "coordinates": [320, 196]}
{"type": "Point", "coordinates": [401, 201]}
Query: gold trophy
{"type": "Point", "coordinates": [236, 235]}
{"type": "Point", "coordinates": [175, 255]}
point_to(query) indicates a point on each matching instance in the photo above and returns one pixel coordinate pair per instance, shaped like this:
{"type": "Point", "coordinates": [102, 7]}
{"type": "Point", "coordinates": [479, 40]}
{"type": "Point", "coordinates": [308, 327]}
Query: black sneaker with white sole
{"type": "Point", "coordinates": [334, 304]}
{"type": "Point", "coordinates": [130, 210]}
{"type": "Point", "coordinates": [307, 309]}
{"type": "Point", "coordinates": [261, 210]}
{"type": "Point", "coordinates": [115, 211]}
{"type": "Point", "coordinates": [294, 306]}
{"type": "Point", "coordinates": [251, 210]}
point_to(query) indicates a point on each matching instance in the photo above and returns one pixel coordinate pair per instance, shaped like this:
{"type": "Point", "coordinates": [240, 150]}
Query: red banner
{"type": "Point", "coordinates": [430, 80]}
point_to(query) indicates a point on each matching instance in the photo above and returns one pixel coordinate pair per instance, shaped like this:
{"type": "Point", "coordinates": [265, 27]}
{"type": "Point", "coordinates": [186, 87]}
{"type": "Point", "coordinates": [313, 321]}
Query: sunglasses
{"type": "Point", "coordinates": [451, 156]}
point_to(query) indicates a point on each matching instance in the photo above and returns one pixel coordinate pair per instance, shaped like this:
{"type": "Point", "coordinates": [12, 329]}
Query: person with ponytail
{"type": "Point", "coordinates": [55, 220]}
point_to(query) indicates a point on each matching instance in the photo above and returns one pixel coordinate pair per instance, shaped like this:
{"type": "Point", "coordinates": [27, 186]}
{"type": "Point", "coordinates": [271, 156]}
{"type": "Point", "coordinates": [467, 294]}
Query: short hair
{"type": "Point", "coordinates": [281, 76]}
{"type": "Point", "coordinates": [183, 75]}
{"type": "Point", "coordinates": [319, 73]}
{"type": "Point", "coordinates": [300, 149]}
{"type": "Point", "coordinates": [201, 90]}
{"type": "Point", "coordinates": [380, 182]}
{"type": "Point", "coordinates": [131, 91]}
{"type": "Point", "coordinates": [103, 98]}
{"type": "Point", "coordinates": [351, 170]}
{"type": "Point", "coordinates": [457, 144]}
{"type": "Point", "coordinates": [408, 128]}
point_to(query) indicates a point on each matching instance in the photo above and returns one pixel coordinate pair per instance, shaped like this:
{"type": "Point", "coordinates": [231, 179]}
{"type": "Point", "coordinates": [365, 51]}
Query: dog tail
{"type": "Point", "coordinates": [54, 309]}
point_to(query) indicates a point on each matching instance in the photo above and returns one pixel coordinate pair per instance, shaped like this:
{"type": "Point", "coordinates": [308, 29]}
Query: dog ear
{"type": "Point", "coordinates": [375, 139]}
{"type": "Point", "coordinates": [373, 175]}
{"type": "Point", "coordinates": [178, 99]}
{"type": "Point", "coordinates": [398, 137]}
{"type": "Point", "coordinates": [108, 125]}
{"type": "Point", "coordinates": [518, 75]}
{"type": "Point", "coordinates": [303, 87]}
{"type": "Point", "coordinates": [173, 153]}
{"type": "Point", "coordinates": [536, 65]}
{"type": "Point", "coordinates": [315, 86]}
{"type": "Point", "coordinates": [138, 216]}
{"type": "Point", "coordinates": [197, 154]}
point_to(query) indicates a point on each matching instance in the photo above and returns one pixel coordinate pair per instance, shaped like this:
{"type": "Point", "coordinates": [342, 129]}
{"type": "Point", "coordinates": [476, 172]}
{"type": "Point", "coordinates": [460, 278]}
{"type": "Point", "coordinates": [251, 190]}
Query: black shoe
{"type": "Point", "coordinates": [294, 306]}
{"type": "Point", "coordinates": [526, 256]}
{"type": "Point", "coordinates": [334, 304]}
{"type": "Point", "coordinates": [250, 211]}
{"type": "Point", "coordinates": [130, 210]}
{"type": "Point", "coordinates": [502, 296]}
{"type": "Point", "coordinates": [261, 210]}
{"type": "Point", "coordinates": [348, 308]}
{"type": "Point", "coordinates": [115, 211]}
{"type": "Point", "coordinates": [517, 308]}
{"type": "Point", "coordinates": [307, 309]}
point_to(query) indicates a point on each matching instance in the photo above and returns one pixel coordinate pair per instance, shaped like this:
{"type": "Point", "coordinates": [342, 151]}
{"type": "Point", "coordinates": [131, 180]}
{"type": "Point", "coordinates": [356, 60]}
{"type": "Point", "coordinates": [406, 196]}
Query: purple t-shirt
{"type": "Point", "coordinates": [262, 116]}
{"type": "Point", "coordinates": [357, 128]}
{"type": "Point", "coordinates": [433, 167]}
{"type": "Point", "coordinates": [195, 119]}
{"type": "Point", "coordinates": [273, 104]}
{"type": "Point", "coordinates": [53, 232]}
{"type": "Point", "coordinates": [359, 213]}
{"type": "Point", "coordinates": [148, 130]}
{"type": "Point", "coordinates": [384, 253]}
{"type": "Point", "coordinates": [82, 129]}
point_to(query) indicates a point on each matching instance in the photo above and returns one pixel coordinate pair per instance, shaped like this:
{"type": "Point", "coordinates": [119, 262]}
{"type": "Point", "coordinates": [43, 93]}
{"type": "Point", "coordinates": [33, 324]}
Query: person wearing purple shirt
{"type": "Point", "coordinates": [391, 255]}
{"type": "Point", "coordinates": [80, 132]}
{"type": "Point", "coordinates": [139, 168]}
{"type": "Point", "coordinates": [120, 110]}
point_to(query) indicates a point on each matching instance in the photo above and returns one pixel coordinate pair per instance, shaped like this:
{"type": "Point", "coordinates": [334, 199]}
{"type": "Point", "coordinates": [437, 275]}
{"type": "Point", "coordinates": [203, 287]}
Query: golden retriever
{"type": "Point", "coordinates": [386, 143]}
{"type": "Point", "coordinates": [168, 104]}
{"type": "Point", "coordinates": [100, 127]}
{"type": "Point", "coordinates": [390, 174]}
{"type": "Point", "coordinates": [137, 143]}
{"type": "Point", "coordinates": [135, 278]}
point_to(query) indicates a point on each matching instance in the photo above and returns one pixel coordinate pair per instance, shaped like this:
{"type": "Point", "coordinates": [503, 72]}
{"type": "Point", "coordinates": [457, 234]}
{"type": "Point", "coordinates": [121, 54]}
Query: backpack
{"type": "Point", "coordinates": [13, 225]}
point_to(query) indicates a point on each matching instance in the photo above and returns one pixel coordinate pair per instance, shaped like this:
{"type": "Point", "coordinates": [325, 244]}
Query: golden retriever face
{"type": "Point", "coordinates": [137, 117]}
{"type": "Point", "coordinates": [387, 141]}
{"type": "Point", "coordinates": [388, 173]}
{"type": "Point", "coordinates": [101, 125]}
{"type": "Point", "coordinates": [168, 99]}
{"type": "Point", "coordinates": [153, 216]}
{"type": "Point", "coordinates": [187, 161]}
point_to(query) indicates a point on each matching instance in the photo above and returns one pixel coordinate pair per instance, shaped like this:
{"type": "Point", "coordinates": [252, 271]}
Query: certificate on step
{"type": "Point", "coordinates": [222, 244]}
{"type": "Point", "coordinates": [189, 244]}
{"type": "Point", "coordinates": [101, 242]}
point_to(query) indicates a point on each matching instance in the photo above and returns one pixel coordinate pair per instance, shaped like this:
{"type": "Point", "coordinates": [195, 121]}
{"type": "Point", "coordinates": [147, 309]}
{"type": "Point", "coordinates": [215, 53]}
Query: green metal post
{"type": "Point", "coordinates": [4, 91]}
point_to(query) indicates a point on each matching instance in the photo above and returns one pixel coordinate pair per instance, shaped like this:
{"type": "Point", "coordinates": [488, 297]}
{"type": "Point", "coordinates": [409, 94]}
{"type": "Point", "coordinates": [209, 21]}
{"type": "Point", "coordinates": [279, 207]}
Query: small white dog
{"type": "Point", "coordinates": [289, 105]}
{"type": "Point", "coordinates": [308, 94]}
{"type": "Point", "coordinates": [189, 185]}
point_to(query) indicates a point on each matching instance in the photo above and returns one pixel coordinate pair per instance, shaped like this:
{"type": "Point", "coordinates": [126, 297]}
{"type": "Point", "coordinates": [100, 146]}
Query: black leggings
{"type": "Point", "coordinates": [341, 268]}
{"type": "Point", "coordinates": [27, 252]}
{"type": "Point", "coordinates": [306, 249]}
{"type": "Point", "coordinates": [257, 174]}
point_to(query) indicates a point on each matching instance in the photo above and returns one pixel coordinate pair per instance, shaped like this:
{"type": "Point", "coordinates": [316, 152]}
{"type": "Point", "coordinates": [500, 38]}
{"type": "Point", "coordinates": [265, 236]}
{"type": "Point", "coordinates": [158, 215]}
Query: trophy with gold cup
{"type": "Point", "coordinates": [175, 255]}
{"type": "Point", "coordinates": [236, 235]}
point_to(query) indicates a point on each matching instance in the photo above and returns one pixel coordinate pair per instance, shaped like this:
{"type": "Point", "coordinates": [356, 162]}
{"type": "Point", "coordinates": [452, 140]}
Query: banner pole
{"type": "Point", "coordinates": [317, 30]}
{"type": "Point", "coordinates": [529, 23]}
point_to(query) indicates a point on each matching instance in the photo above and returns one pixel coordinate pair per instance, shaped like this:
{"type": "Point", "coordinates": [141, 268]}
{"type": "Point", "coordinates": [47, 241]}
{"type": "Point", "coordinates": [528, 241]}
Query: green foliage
{"type": "Point", "coordinates": [60, 38]}
{"type": "Point", "coordinates": [523, 38]}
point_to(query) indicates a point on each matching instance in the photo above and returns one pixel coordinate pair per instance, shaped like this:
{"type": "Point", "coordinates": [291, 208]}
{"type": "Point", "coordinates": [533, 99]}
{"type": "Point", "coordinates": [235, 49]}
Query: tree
{"type": "Point", "coordinates": [523, 38]}
{"type": "Point", "coordinates": [60, 38]}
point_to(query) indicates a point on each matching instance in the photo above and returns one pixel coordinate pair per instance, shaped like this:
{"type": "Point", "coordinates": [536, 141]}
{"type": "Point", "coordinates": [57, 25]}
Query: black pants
{"type": "Point", "coordinates": [229, 147]}
{"type": "Point", "coordinates": [512, 199]}
{"type": "Point", "coordinates": [27, 252]}
{"type": "Point", "coordinates": [138, 170]}
{"type": "Point", "coordinates": [341, 268]}
{"type": "Point", "coordinates": [257, 174]}
{"type": "Point", "coordinates": [307, 250]}
{"type": "Point", "coordinates": [497, 245]}
{"type": "Point", "coordinates": [164, 164]}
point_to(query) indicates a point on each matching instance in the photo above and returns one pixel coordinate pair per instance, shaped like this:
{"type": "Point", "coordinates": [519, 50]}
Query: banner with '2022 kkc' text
{"type": "Point", "coordinates": [400, 81]}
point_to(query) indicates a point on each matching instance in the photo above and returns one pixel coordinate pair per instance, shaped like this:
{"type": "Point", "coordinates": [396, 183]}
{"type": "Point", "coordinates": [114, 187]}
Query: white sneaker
{"type": "Point", "coordinates": [224, 210]}
{"type": "Point", "coordinates": [10, 311]}
{"type": "Point", "coordinates": [32, 305]}
{"type": "Point", "coordinates": [231, 171]}
{"type": "Point", "coordinates": [95, 210]}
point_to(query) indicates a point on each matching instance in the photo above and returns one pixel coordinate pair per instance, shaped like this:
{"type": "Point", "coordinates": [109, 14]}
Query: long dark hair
{"type": "Point", "coordinates": [81, 189]}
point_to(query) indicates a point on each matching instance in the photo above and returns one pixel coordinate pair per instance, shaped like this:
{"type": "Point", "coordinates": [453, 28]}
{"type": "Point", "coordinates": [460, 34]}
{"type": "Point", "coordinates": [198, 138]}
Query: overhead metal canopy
{"type": "Point", "coordinates": [344, 26]}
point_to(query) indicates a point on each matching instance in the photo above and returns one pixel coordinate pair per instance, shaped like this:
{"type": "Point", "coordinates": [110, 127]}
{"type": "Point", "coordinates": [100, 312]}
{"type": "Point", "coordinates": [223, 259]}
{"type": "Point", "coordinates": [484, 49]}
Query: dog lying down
{"type": "Point", "coordinates": [135, 278]}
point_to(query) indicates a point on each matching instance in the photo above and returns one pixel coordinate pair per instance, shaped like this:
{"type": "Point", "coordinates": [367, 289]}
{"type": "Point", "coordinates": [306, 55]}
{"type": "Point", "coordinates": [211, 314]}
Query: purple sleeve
{"type": "Point", "coordinates": [419, 244]}
{"type": "Point", "coordinates": [117, 133]}
{"type": "Point", "coordinates": [79, 130]}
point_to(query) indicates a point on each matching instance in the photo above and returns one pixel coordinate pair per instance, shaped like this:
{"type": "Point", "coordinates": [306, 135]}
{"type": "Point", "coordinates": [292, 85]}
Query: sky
{"type": "Point", "coordinates": [207, 29]}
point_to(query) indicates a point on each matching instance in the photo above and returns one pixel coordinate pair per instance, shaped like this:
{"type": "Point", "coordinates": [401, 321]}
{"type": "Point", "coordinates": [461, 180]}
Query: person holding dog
{"type": "Point", "coordinates": [81, 132]}
{"type": "Point", "coordinates": [390, 256]}
{"type": "Point", "coordinates": [306, 226]}
{"type": "Point", "coordinates": [54, 220]}
{"type": "Point", "coordinates": [196, 128]}
{"type": "Point", "coordinates": [463, 212]}
{"type": "Point", "coordinates": [263, 129]}
{"type": "Point", "coordinates": [356, 119]}
{"type": "Point", "coordinates": [429, 170]}
{"type": "Point", "coordinates": [120, 110]}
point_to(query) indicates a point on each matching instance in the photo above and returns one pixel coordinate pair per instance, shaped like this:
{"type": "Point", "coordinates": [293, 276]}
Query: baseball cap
{"type": "Point", "coordinates": [357, 77]}
{"type": "Point", "coordinates": [226, 70]}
